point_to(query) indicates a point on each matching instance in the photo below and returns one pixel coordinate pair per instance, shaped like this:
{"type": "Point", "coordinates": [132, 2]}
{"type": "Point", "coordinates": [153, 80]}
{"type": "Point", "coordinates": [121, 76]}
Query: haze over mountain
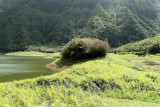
{"type": "Point", "coordinates": [43, 22]}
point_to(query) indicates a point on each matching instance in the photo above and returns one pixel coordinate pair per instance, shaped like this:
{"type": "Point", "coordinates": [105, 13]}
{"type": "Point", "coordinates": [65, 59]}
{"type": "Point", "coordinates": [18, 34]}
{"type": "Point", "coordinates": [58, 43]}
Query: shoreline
{"type": "Point", "coordinates": [54, 68]}
{"type": "Point", "coordinates": [48, 66]}
{"type": "Point", "coordinates": [34, 55]}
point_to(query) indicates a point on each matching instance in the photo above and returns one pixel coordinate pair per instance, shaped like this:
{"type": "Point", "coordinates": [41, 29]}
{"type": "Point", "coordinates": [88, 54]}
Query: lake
{"type": "Point", "coordinates": [23, 67]}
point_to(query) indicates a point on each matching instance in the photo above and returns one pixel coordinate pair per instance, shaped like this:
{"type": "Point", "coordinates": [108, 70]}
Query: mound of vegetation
{"type": "Point", "coordinates": [149, 45]}
{"type": "Point", "coordinates": [85, 48]}
{"type": "Point", "coordinates": [42, 22]}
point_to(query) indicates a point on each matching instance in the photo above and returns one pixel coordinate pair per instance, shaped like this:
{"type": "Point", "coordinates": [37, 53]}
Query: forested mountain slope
{"type": "Point", "coordinates": [42, 22]}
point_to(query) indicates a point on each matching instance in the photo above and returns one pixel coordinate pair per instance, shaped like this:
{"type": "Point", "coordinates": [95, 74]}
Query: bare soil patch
{"type": "Point", "coordinates": [149, 63]}
{"type": "Point", "coordinates": [54, 68]}
{"type": "Point", "coordinates": [156, 70]}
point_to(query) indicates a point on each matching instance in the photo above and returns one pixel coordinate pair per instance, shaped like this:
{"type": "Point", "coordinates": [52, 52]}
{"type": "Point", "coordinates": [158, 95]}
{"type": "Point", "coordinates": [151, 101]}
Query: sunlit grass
{"type": "Point", "coordinates": [110, 81]}
{"type": "Point", "coordinates": [131, 57]}
{"type": "Point", "coordinates": [139, 65]}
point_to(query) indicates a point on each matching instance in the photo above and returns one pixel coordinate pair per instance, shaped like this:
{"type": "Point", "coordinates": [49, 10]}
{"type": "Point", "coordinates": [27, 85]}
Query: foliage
{"type": "Point", "coordinates": [85, 48]}
{"type": "Point", "coordinates": [155, 48]}
{"type": "Point", "coordinates": [103, 82]}
{"type": "Point", "coordinates": [32, 22]}
{"type": "Point", "coordinates": [145, 46]}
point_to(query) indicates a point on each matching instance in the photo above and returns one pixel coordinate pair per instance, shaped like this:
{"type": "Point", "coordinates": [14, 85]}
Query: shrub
{"type": "Point", "coordinates": [85, 48]}
{"type": "Point", "coordinates": [154, 49]}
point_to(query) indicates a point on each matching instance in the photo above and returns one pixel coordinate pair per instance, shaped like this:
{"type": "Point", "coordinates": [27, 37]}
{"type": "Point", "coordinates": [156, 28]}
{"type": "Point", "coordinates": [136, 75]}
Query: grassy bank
{"type": "Point", "coordinates": [35, 53]}
{"type": "Point", "coordinates": [110, 81]}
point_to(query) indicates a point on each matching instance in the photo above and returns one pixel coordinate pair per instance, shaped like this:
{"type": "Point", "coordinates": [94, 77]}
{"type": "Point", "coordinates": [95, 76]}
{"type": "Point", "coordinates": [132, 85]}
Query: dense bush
{"type": "Point", "coordinates": [85, 48]}
{"type": "Point", "coordinates": [154, 49]}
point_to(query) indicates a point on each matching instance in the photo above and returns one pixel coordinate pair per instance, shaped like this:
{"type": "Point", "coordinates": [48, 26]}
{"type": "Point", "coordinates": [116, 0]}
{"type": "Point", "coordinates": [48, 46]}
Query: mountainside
{"type": "Point", "coordinates": [42, 22]}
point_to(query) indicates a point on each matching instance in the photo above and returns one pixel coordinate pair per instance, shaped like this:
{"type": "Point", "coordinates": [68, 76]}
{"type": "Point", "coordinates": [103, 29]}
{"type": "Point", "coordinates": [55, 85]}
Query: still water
{"type": "Point", "coordinates": [22, 67]}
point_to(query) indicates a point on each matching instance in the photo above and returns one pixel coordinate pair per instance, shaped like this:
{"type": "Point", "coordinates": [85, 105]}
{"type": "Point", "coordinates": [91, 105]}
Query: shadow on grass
{"type": "Point", "coordinates": [2, 53]}
{"type": "Point", "coordinates": [69, 62]}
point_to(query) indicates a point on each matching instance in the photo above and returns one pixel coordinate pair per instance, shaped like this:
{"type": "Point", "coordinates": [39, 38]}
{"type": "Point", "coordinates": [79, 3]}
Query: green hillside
{"type": "Point", "coordinates": [110, 82]}
{"type": "Point", "coordinates": [141, 46]}
{"type": "Point", "coordinates": [43, 22]}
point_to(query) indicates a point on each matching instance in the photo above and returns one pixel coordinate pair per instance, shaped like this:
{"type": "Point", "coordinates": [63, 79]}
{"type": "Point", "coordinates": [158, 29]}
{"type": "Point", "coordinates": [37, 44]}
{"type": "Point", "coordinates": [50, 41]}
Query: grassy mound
{"type": "Point", "coordinates": [85, 48]}
{"type": "Point", "coordinates": [87, 84]}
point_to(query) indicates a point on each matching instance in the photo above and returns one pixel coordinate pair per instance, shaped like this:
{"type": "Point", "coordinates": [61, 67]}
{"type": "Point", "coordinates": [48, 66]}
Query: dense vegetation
{"type": "Point", "coordinates": [46, 22]}
{"type": "Point", "coordinates": [92, 83]}
{"type": "Point", "coordinates": [149, 45]}
{"type": "Point", "coordinates": [85, 48]}
{"type": "Point", "coordinates": [155, 48]}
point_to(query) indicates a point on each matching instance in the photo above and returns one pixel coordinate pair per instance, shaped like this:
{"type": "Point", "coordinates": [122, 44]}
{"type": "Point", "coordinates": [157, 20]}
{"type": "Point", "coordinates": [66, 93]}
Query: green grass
{"type": "Point", "coordinates": [110, 81]}
{"type": "Point", "coordinates": [138, 65]}
{"type": "Point", "coordinates": [34, 53]}
{"type": "Point", "coordinates": [64, 97]}
{"type": "Point", "coordinates": [131, 57]}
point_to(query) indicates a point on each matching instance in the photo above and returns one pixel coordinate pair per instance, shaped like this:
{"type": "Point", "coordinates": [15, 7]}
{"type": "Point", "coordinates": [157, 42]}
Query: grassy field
{"type": "Point", "coordinates": [150, 63]}
{"type": "Point", "coordinates": [111, 81]}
